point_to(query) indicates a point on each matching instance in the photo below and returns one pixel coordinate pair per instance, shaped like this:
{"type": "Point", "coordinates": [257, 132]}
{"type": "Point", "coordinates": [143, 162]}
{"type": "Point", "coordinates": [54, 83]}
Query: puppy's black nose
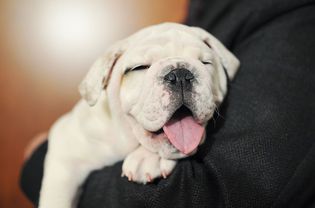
{"type": "Point", "coordinates": [179, 77]}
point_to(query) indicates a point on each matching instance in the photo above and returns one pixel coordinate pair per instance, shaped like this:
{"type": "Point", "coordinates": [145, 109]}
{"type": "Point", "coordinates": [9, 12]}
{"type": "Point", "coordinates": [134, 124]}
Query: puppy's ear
{"type": "Point", "coordinates": [99, 74]}
{"type": "Point", "coordinates": [228, 60]}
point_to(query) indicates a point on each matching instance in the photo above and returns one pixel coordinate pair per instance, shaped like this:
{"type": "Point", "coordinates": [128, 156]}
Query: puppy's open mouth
{"type": "Point", "coordinates": [183, 131]}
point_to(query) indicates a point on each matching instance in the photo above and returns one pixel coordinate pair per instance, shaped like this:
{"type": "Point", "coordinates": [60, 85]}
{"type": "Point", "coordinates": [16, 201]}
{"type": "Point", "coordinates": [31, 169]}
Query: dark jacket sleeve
{"type": "Point", "coordinates": [260, 152]}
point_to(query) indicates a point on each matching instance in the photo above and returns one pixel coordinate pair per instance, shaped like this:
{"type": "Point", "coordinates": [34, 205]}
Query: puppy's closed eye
{"type": "Point", "coordinates": [206, 62]}
{"type": "Point", "coordinates": [138, 68]}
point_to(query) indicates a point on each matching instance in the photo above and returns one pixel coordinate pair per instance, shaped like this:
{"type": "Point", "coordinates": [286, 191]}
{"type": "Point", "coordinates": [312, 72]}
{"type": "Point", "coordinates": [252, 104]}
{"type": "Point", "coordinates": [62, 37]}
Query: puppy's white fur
{"type": "Point", "coordinates": [118, 123]}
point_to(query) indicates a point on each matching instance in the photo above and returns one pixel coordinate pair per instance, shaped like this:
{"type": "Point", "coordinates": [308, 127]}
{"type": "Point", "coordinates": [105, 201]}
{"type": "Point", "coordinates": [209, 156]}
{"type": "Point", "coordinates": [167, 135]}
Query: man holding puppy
{"type": "Point", "coordinates": [262, 153]}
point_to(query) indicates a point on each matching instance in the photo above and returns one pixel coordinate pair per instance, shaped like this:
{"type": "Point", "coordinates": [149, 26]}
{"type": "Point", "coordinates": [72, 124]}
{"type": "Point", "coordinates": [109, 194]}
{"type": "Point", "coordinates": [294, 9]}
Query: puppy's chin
{"type": "Point", "coordinates": [166, 149]}
{"type": "Point", "coordinates": [179, 137]}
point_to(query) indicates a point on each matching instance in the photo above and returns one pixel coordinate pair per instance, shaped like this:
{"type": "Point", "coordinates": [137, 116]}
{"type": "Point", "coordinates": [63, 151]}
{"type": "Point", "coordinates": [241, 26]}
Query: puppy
{"type": "Point", "coordinates": [147, 101]}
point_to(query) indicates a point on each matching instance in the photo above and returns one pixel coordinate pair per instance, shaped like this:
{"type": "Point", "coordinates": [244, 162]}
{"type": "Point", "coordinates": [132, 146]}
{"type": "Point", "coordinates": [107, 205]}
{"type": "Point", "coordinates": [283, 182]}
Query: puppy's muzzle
{"type": "Point", "coordinates": [179, 79]}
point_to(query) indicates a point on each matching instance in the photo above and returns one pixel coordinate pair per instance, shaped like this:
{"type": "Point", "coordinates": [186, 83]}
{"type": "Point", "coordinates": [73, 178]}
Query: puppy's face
{"type": "Point", "coordinates": [169, 90]}
{"type": "Point", "coordinates": [170, 82]}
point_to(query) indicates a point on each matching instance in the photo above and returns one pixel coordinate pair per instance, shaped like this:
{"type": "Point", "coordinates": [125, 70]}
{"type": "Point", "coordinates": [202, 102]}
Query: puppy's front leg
{"type": "Point", "coordinates": [143, 166]}
{"type": "Point", "coordinates": [61, 184]}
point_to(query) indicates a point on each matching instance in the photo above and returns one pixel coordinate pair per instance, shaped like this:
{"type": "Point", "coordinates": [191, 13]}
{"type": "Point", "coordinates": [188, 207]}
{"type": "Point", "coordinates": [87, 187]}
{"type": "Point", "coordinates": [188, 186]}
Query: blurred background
{"type": "Point", "coordinates": [46, 47]}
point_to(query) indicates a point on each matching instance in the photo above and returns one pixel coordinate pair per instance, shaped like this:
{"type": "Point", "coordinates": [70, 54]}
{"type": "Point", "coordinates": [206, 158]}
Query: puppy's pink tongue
{"type": "Point", "coordinates": [184, 133]}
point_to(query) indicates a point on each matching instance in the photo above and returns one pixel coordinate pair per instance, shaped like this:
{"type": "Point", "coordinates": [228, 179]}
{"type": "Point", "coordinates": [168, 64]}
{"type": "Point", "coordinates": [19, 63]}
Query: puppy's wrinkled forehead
{"type": "Point", "coordinates": [169, 43]}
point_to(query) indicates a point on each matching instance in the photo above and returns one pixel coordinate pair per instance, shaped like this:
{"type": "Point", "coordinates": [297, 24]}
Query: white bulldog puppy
{"type": "Point", "coordinates": [147, 101]}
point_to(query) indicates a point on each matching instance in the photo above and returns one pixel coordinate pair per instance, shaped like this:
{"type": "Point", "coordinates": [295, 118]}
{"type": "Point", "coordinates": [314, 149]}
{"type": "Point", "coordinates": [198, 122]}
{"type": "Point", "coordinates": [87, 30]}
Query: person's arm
{"type": "Point", "coordinates": [32, 171]}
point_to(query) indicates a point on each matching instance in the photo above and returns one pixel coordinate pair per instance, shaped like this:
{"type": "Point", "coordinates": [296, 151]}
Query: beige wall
{"type": "Point", "coordinates": [40, 67]}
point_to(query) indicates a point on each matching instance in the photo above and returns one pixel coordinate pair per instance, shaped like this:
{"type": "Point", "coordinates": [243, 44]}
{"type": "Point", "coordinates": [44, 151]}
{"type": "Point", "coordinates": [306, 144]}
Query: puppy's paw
{"type": "Point", "coordinates": [143, 166]}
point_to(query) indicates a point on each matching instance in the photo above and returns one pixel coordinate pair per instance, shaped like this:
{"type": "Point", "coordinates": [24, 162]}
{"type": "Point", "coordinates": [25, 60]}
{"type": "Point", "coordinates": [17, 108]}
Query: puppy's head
{"type": "Point", "coordinates": [165, 82]}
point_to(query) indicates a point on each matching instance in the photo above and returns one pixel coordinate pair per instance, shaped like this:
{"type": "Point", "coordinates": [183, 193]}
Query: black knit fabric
{"type": "Point", "coordinates": [32, 174]}
{"type": "Point", "coordinates": [260, 152]}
